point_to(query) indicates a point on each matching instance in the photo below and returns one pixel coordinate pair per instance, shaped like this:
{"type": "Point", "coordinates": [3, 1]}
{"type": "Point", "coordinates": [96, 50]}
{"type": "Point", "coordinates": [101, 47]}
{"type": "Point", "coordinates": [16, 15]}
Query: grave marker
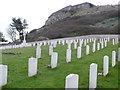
{"type": "Point", "coordinates": [3, 75]}
{"type": "Point", "coordinates": [32, 66]}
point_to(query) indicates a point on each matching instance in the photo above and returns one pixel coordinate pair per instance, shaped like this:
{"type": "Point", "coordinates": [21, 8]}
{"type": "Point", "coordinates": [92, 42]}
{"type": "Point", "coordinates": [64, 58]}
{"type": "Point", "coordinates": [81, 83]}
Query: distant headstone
{"type": "Point", "coordinates": [79, 49]}
{"type": "Point", "coordinates": [38, 52]}
{"type": "Point", "coordinates": [93, 76]}
{"type": "Point", "coordinates": [119, 54]}
{"type": "Point", "coordinates": [32, 66]}
{"type": "Point", "coordinates": [72, 81]}
{"type": "Point", "coordinates": [113, 41]}
{"type": "Point", "coordinates": [50, 50]}
{"type": "Point", "coordinates": [85, 43]}
{"type": "Point", "coordinates": [94, 47]}
{"type": "Point", "coordinates": [98, 46]}
{"type": "Point", "coordinates": [113, 58]}
{"type": "Point", "coordinates": [3, 75]}
{"type": "Point", "coordinates": [87, 49]}
{"type": "Point", "coordinates": [54, 59]}
{"type": "Point", "coordinates": [68, 55]}
{"type": "Point", "coordinates": [105, 65]}
{"type": "Point", "coordinates": [75, 45]}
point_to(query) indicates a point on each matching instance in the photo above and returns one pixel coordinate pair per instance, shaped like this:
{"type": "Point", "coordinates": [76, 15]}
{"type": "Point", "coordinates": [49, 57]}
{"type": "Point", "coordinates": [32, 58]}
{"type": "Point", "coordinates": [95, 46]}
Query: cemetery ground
{"type": "Point", "coordinates": [55, 78]}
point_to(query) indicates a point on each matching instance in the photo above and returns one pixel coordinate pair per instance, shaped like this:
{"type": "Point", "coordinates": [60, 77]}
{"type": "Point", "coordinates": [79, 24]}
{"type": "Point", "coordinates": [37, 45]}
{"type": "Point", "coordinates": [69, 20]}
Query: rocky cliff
{"type": "Point", "coordinates": [78, 10]}
{"type": "Point", "coordinates": [78, 20]}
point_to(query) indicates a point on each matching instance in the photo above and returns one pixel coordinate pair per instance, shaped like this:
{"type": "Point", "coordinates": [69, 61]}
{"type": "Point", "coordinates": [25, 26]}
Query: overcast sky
{"type": "Point", "coordinates": [36, 12]}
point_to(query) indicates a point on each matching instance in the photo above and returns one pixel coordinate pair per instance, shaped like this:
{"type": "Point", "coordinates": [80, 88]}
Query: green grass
{"type": "Point", "coordinates": [55, 78]}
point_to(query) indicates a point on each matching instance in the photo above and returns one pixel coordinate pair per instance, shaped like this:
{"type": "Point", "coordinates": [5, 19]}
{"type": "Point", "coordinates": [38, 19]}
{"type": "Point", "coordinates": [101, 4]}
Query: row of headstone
{"type": "Point", "coordinates": [72, 80]}
{"type": "Point", "coordinates": [55, 42]}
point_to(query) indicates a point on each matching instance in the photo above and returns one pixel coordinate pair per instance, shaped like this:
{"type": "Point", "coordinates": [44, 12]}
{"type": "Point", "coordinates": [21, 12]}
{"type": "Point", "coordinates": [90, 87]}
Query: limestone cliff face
{"type": "Point", "coordinates": [78, 10]}
{"type": "Point", "coordinates": [67, 12]}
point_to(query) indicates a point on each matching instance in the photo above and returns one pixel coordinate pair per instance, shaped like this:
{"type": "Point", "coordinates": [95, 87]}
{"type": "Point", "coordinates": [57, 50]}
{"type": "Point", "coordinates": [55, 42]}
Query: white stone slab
{"type": "Point", "coordinates": [119, 54]}
{"type": "Point", "coordinates": [68, 55]}
{"type": "Point", "coordinates": [3, 75]}
{"type": "Point", "coordinates": [54, 59]}
{"type": "Point", "coordinates": [113, 58]}
{"type": "Point", "coordinates": [32, 66]}
{"type": "Point", "coordinates": [79, 49]}
{"type": "Point", "coordinates": [93, 76]}
{"type": "Point", "coordinates": [38, 52]}
{"type": "Point", "coordinates": [87, 49]}
{"type": "Point", "coordinates": [105, 65]}
{"type": "Point", "coordinates": [50, 50]}
{"type": "Point", "coordinates": [72, 81]}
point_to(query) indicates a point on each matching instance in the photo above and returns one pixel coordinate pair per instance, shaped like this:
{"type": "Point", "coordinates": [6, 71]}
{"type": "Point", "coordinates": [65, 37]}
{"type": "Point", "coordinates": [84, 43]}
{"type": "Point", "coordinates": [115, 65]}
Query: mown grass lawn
{"type": "Point", "coordinates": [55, 78]}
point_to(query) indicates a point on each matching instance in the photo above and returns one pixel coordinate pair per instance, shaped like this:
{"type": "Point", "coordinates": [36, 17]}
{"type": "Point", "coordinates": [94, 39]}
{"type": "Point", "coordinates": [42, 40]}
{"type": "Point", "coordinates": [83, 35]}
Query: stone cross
{"type": "Point", "coordinates": [113, 58]}
{"type": "Point", "coordinates": [72, 81]}
{"type": "Point", "coordinates": [32, 66]}
{"type": "Point", "coordinates": [93, 76]}
{"type": "Point", "coordinates": [68, 55]}
{"type": "Point", "coordinates": [3, 75]}
{"type": "Point", "coordinates": [105, 65]}
{"type": "Point", "coordinates": [54, 59]}
{"type": "Point", "coordinates": [79, 52]}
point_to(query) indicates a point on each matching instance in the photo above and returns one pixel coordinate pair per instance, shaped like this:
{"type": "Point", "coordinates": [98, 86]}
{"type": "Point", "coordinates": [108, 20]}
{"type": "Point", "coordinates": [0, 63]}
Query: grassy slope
{"type": "Point", "coordinates": [55, 78]}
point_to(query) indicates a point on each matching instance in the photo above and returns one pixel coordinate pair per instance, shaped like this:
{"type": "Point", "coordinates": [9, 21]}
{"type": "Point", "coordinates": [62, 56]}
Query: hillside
{"type": "Point", "coordinates": [81, 19]}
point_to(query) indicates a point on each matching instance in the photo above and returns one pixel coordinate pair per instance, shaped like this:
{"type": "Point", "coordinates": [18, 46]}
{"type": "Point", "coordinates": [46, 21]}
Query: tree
{"type": "Point", "coordinates": [2, 39]}
{"type": "Point", "coordinates": [12, 33]}
{"type": "Point", "coordinates": [20, 26]}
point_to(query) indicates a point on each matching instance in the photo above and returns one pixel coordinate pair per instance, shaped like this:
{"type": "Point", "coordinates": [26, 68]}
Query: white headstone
{"type": "Point", "coordinates": [38, 52]}
{"type": "Point", "coordinates": [69, 45]}
{"type": "Point", "coordinates": [87, 49]}
{"type": "Point", "coordinates": [50, 50]}
{"type": "Point", "coordinates": [93, 76]}
{"type": "Point", "coordinates": [105, 65]}
{"type": "Point", "coordinates": [85, 43]}
{"type": "Point", "coordinates": [113, 58]}
{"type": "Point", "coordinates": [68, 55]}
{"type": "Point", "coordinates": [98, 46]}
{"type": "Point", "coordinates": [75, 45]}
{"type": "Point", "coordinates": [72, 81]}
{"type": "Point", "coordinates": [113, 41]}
{"type": "Point", "coordinates": [32, 66]}
{"type": "Point", "coordinates": [54, 59]}
{"type": "Point", "coordinates": [94, 47]}
{"type": "Point", "coordinates": [119, 54]}
{"type": "Point", "coordinates": [3, 75]}
{"type": "Point", "coordinates": [79, 52]}
{"type": "Point", "coordinates": [102, 45]}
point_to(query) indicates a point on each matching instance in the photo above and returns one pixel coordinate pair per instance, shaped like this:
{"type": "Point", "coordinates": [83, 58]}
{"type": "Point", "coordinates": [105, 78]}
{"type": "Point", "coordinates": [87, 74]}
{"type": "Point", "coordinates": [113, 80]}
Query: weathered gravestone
{"type": "Point", "coordinates": [72, 81]}
{"type": "Point", "coordinates": [3, 75]}
{"type": "Point", "coordinates": [32, 66]}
